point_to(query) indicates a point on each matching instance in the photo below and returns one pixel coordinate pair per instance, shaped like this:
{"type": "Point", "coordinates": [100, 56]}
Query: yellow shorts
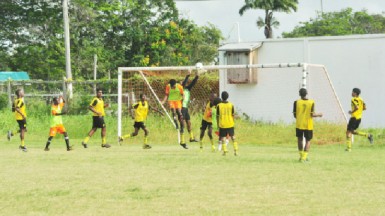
{"type": "Point", "coordinates": [175, 104]}
{"type": "Point", "coordinates": [57, 129]}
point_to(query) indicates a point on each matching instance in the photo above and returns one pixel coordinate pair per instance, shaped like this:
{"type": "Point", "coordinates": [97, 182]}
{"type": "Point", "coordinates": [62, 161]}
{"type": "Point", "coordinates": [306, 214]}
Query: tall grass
{"type": "Point", "coordinates": [162, 131]}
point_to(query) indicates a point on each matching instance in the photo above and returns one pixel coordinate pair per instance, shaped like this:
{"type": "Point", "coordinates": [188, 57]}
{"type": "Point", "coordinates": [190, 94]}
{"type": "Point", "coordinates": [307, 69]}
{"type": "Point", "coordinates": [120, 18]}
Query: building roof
{"type": "Point", "coordinates": [6, 75]}
{"type": "Point", "coordinates": [242, 46]}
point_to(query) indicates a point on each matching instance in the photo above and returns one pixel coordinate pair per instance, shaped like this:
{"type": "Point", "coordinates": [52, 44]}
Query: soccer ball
{"type": "Point", "coordinates": [199, 66]}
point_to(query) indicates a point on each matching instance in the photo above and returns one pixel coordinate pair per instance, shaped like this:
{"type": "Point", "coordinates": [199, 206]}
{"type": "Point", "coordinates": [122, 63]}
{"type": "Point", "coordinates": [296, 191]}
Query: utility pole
{"type": "Point", "coordinates": [95, 71]}
{"type": "Point", "coordinates": [67, 47]}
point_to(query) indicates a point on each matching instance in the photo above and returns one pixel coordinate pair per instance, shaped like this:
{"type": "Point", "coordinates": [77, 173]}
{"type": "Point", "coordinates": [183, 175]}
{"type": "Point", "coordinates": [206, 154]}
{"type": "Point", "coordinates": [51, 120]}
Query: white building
{"type": "Point", "coordinates": [351, 61]}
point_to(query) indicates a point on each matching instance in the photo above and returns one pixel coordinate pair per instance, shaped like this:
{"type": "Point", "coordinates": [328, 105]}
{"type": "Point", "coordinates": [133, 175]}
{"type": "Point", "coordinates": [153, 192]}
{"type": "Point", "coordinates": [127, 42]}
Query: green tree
{"type": "Point", "coordinates": [269, 6]}
{"type": "Point", "coordinates": [119, 32]}
{"type": "Point", "coordinates": [344, 22]}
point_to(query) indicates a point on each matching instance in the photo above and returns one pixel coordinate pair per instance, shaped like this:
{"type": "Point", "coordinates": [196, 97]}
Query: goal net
{"type": "Point", "coordinates": [261, 93]}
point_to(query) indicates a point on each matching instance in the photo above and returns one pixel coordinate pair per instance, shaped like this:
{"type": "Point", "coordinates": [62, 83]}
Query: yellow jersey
{"type": "Point", "coordinates": [225, 113]}
{"type": "Point", "coordinates": [207, 115]}
{"type": "Point", "coordinates": [141, 111]}
{"type": "Point", "coordinates": [98, 105]}
{"type": "Point", "coordinates": [19, 103]}
{"type": "Point", "coordinates": [358, 103]}
{"type": "Point", "coordinates": [303, 111]}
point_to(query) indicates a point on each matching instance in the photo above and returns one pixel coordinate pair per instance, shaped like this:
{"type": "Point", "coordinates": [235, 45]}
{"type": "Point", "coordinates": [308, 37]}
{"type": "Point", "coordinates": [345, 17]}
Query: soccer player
{"type": "Point", "coordinates": [217, 101]}
{"type": "Point", "coordinates": [225, 121]}
{"type": "Point", "coordinates": [140, 115]}
{"type": "Point", "coordinates": [207, 121]}
{"type": "Point", "coordinates": [303, 112]}
{"type": "Point", "coordinates": [357, 107]}
{"type": "Point", "coordinates": [57, 122]}
{"type": "Point", "coordinates": [186, 102]}
{"type": "Point", "coordinates": [174, 96]}
{"type": "Point", "coordinates": [97, 108]}
{"type": "Point", "coordinates": [21, 117]}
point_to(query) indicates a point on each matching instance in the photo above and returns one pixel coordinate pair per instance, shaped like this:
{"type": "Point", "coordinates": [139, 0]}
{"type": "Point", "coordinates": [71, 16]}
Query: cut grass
{"type": "Point", "coordinates": [265, 179]}
{"type": "Point", "coordinates": [169, 180]}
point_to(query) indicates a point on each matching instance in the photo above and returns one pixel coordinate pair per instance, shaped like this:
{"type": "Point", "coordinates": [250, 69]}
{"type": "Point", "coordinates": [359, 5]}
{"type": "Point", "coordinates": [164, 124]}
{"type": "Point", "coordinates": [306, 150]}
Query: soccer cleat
{"type": "Point", "coordinates": [23, 148]}
{"type": "Point", "coordinates": [235, 153]}
{"type": "Point", "coordinates": [184, 145]}
{"type": "Point", "coordinates": [370, 138]}
{"type": "Point", "coordinates": [224, 153]}
{"type": "Point", "coordinates": [212, 148]}
{"type": "Point", "coordinates": [146, 146]}
{"type": "Point", "coordinates": [193, 140]}
{"type": "Point", "coordinates": [348, 150]}
{"type": "Point", "coordinates": [70, 148]}
{"type": "Point", "coordinates": [46, 149]}
{"type": "Point", "coordinates": [106, 145]}
{"type": "Point", "coordinates": [9, 135]}
{"type": "Point", "coordinates": [84, 145]}
{"type": "Point", "coordinates": [120, 140]}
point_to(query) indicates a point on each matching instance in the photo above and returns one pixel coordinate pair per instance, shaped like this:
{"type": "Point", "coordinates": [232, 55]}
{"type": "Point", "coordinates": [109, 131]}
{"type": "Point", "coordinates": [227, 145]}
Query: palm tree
{"type": "Point", "coordinates": [269, 6]}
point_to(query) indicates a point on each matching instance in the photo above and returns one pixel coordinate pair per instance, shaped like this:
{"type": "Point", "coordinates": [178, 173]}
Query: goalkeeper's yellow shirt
{"type": "Point", "coordinates": [98, 105]}
{"type": "Point", "coordinates": [225, 113]}
{"type": "Point", "coordinates": [19, 103]}
{"type": "Point", "coordinates": [358, 103]}
{"type": "Point", "coordinates": [303, 110]}
{"type": "Point", "coordinates": [141, 111]}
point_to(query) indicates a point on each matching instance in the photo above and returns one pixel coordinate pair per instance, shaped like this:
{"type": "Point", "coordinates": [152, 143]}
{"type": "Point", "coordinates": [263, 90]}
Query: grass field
{"type": "Point", "coordinates": [265, 179]}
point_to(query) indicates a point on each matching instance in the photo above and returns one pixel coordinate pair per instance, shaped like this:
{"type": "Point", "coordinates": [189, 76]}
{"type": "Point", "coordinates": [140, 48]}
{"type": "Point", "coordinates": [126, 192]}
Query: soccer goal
{"type": "Point", "coordinates": [261, 92]}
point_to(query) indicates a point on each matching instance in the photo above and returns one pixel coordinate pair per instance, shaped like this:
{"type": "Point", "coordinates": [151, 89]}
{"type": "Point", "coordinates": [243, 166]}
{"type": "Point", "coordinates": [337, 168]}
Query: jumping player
{"type": "Point", "coordinates": [186, 102]}
{"type": "Point", "coordinates": [174, 96]}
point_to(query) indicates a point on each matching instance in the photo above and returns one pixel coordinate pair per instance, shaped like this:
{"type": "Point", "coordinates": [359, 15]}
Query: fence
{"type": "Point", "coordinates": [40, 92]}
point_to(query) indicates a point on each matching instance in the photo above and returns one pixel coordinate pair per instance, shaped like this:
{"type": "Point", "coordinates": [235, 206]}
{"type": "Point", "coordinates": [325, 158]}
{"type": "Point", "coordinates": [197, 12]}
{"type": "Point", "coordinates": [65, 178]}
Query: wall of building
{"type": "Point", "coordinates": [351, 61]}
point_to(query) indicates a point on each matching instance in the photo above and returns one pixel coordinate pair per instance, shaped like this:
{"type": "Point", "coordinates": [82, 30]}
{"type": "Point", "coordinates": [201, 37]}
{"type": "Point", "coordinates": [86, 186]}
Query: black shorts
{"type": "Point", "coordinates": [223, 132]}
{"type": "Point", "coordinates": [185, 113]}
{"type": "Point", "coordinates": [22, 123]}
{"type": "Point", "coordinates": [353, 124]}
{"type": "Point", "coordinates": [308, 134]}
{"type": "Point", "coordinates": [98, 122]}
{"type": "Point", "coordinates": [205, 125]}
{"type": "Point", "coordinates": [139, 125]}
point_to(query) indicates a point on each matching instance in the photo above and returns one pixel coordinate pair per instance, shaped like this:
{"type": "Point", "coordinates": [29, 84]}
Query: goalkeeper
{"type": "Point", "coordinates": [140, 110]}
{"type": "Point", "coordinates": [186, 102]}
{"type": "Point", "coordinates": [174, 96]}
{"type": "Point", "coordinates": [57, 122]}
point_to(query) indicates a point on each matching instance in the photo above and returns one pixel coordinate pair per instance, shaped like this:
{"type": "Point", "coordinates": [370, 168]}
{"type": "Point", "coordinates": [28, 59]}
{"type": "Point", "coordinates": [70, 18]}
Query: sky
{"type": "Point", "coordinates": [224, 14]}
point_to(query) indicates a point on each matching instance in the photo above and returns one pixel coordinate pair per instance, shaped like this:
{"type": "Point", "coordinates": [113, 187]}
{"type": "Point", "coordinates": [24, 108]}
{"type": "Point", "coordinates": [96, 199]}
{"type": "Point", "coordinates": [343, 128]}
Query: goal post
{"type": "Point", "coordinates": [262, 92]}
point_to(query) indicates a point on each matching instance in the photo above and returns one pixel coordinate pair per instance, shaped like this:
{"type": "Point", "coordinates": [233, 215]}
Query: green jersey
{"type": "Point", "coordinates": [186, 98]}
{"type": "Point", "coordinates": [56, 119]}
